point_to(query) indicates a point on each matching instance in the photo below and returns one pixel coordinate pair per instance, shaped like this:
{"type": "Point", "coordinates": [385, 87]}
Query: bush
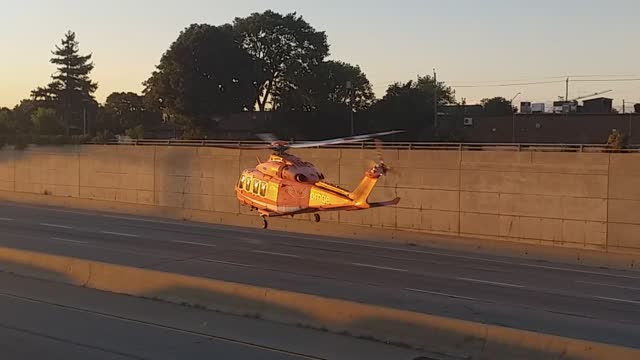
{"type": "Point", "coordinates": [136, 132]}
{"type": "Point", "coordinates": [193, 134]}
{"type": "Point", "coordinates": [103, 137]}
{"type": "Point", "coordinates": [22, 141]}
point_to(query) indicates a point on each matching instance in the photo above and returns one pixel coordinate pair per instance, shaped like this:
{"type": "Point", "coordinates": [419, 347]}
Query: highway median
{"type": "Point", "coordinates": [459, 338]}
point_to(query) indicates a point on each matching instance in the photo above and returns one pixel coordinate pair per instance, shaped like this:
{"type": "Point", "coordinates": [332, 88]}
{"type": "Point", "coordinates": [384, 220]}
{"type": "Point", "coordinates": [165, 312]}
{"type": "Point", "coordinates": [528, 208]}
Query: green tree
{"type": "Point", "coordinates": [285, 47]}
{"type": "Point", "coordinates": [6, 121]}
{"type": "Point", "coordinates": [22, 115]}
{"type": "Point", "coordinates": [126, 110]}
{"type": "Point", "coordinates": [46, 122]}
{"type": "Point", "coordinates": [71, 91]}
{"type": "Point", "coordinates": [410, 106]}
{"type": "Point", "coordinates": [326, 90]}
{"type": "Point", "coordinates": [497, 106]}
{"type": "Point", "coordinates": [205, 72]}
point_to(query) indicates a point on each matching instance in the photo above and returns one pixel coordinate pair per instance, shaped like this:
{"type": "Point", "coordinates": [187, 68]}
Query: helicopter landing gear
{"type": "Point", "coordinates": [265, 224]}
{"type": "Point", "coordinates": [316, 217]}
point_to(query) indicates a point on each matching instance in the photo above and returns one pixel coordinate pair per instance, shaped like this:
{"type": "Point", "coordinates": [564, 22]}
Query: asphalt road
{"type": "Point", "coordinates": [567, 300]}
{"type": "Point", "coordinates": [43, 320]}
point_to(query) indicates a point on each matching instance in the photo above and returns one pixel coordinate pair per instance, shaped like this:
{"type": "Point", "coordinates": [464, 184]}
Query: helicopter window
{"type": "Point", "coordinates": [247, 184]}
{"type": "Point", "coordinates": [241, 182]}
{"type": "Point", "coordinates": [256, 184]}
{"type": "Point", "coordinates": [263, 189]}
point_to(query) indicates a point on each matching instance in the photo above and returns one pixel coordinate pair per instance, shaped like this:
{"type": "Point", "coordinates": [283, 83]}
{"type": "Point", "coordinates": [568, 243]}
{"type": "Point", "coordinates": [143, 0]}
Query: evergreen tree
{"type": "Point", "coordinates": [71, 91]}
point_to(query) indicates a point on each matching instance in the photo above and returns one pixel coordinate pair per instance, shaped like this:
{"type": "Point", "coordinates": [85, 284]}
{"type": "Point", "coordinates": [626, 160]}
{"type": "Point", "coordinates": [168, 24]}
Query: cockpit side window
{"type": "Point", "coordinates": [247, 184]}
{"type": "Point", "coordinates": [263, 189]}
{"type": "Point", "coordinates": [241, 182]}
{"type": "Point", "coordinates": [256, 186]}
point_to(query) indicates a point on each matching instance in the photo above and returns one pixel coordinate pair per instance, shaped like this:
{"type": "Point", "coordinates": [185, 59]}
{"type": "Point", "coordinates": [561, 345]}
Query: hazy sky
{"type": "Point", "coordinates": [470, 42]}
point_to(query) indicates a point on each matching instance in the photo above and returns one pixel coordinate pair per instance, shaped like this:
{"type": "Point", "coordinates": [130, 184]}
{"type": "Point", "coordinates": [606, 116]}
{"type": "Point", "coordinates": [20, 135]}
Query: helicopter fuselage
{"type": "Point", "coordinates": [289, 186]}
{"type": "Point", "coordinates": [286, 185]}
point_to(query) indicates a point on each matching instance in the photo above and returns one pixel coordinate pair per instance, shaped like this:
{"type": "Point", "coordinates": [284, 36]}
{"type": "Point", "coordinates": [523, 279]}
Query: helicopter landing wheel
{"type": "Point", "coordinates": [316, 217]}
{"type": "Point", "coordinates": [265, 224]}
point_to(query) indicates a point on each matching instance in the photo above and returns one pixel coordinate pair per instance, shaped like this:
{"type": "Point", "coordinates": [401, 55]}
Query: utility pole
{"type": "Point", "coordinates": [513, 119]}
{"type": "Point", "coordinates": [435, 100]}
{"type": "Point", "coordinates": [566, 96]}
{"type": "Point", "coordinates": [623, 106]}
{"type": "Point", "coordinates": [350, 89]}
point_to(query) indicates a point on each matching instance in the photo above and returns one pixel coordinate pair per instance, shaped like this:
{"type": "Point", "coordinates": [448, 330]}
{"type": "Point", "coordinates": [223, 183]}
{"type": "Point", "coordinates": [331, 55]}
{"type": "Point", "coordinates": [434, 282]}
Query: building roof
{"type": "Point", "coordinates": [598, 98]}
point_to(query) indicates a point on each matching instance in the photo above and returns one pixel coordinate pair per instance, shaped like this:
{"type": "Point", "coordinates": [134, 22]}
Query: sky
{"type": "Point", "coordinates": [472, 44]}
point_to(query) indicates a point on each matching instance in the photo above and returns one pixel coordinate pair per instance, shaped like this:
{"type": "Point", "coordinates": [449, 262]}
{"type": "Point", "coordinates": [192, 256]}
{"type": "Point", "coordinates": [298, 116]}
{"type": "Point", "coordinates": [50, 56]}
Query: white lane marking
{"type": "Point", "coordinates": [56, 226]}
{"type": "Point", "coordinates": [489, 282]}
{"type": "Point", "coordinates": [6, 219]}
{"type": "Point", "coordinates": [275, 253]}
{"type": "Point", "coordinates": [228, 263]}
{"type": "Point", "coordinates": [302, 236]}
{"type": "Point", "coordinates": [609, 285]}
{"type": "Point", "coordinates": [119, 234]}
{"type": "Point", "coordinates": [436, 253]}
{"type": "Point", "coordinates": [617, 300]}
{"type": "Point", "coordinates": [441, 294]}
{"type": "Point", "coordinates": [379, 267]}
{"type": "Point", "coordinates": [69, 240]}
{"type": "Point", "coordinates": [22, 206]}
{"type": "Point", "coordinates": [145, 220]}
{"type": "Point", "coordinates": [579, 271]}
{"type": "Point", "coordinates": [193, 243]}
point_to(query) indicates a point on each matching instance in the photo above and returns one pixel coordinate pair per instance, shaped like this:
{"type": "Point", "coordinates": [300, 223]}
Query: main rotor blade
{"type": "Point", "coordinates": [267, 137]}
{"type": "Point", "coordinates": [241, 147]}
{"type": "Point", "coordinates": [344, 140]}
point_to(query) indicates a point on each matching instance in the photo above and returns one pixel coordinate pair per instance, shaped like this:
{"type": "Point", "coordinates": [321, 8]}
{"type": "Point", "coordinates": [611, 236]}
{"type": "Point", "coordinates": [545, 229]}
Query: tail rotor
{"type": "Point", "coordinates": [379, 162]}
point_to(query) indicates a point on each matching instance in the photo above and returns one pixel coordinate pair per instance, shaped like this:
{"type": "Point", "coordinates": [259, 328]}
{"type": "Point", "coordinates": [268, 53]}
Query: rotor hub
{"type": "Point", "coordinates": [280, 147]}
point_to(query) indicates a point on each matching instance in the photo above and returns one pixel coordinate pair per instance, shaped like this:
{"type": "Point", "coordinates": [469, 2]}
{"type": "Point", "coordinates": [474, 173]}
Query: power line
{"type": "Point", "coordinates": [539, 79]}
{"type": "Point", "coordinates": [544, 82]}
{"type": "Point", "coordinates": [606, 80]}
{"type": "Point", "coordinates": [511, 84]}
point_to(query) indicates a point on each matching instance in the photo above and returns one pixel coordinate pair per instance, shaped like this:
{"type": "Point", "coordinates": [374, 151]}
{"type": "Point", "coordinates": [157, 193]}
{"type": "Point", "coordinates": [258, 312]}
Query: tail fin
{"type": "Point", "coordinates": [361, 194]}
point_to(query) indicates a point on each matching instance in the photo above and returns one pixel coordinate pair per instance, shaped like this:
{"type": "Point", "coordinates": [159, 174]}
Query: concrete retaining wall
{"type": "Point", "coordinates": [437, 334]}
{"type": "Point", "coordinates": [587, 201]}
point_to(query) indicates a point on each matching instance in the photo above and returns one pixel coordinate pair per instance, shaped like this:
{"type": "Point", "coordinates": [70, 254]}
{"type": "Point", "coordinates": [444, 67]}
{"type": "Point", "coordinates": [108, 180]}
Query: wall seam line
{"type": "Point", "coordinates": [459, 192]}
{"type": "Point", "coordinates": [608, 200]}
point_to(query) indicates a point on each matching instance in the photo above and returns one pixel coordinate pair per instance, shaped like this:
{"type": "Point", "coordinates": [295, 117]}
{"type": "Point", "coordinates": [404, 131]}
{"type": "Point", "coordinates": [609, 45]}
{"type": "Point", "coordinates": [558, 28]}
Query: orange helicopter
{"type": "Point", "coordinates": [285, 185]}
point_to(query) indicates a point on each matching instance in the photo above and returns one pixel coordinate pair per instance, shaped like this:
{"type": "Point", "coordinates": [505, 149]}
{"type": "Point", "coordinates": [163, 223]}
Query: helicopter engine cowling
{"type": "Point", "coordinates": [297, 171]}
{"type": "Point", "coordinates": [301, 174]}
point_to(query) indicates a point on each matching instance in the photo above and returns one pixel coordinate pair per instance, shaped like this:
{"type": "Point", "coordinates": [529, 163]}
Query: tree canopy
{"type": "Point", "coordinates": [205, 72]}
{"type": "Point", "coordinates": [286, 48]}
{"type": "Point", "coordinates": [265, 61]}
{"type": "Point", "coordinates": [497, 106]}
{"type": "Point", "coordinates": [410, 106]}
{"type": "Point", "coordinates": [123, 111]}
{"type": "Point", "coordinates": [6, 121]}
{"type": "Point", "coordinates": [46, 121]}
{"type": "Point", "coordinates": [333, 86]}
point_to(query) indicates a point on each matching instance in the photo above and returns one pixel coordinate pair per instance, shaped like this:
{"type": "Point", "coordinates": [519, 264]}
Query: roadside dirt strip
{"type": "Point", "coordinates": [449, 336]}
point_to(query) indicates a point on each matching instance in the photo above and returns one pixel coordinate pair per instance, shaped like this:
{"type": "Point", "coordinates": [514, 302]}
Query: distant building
{"type": "Point", "coordinates": [600, 105]}
{"type": "Point", "coordinates": [636, 107]}
{"type": "Point", "coordinates": [457, 109]}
